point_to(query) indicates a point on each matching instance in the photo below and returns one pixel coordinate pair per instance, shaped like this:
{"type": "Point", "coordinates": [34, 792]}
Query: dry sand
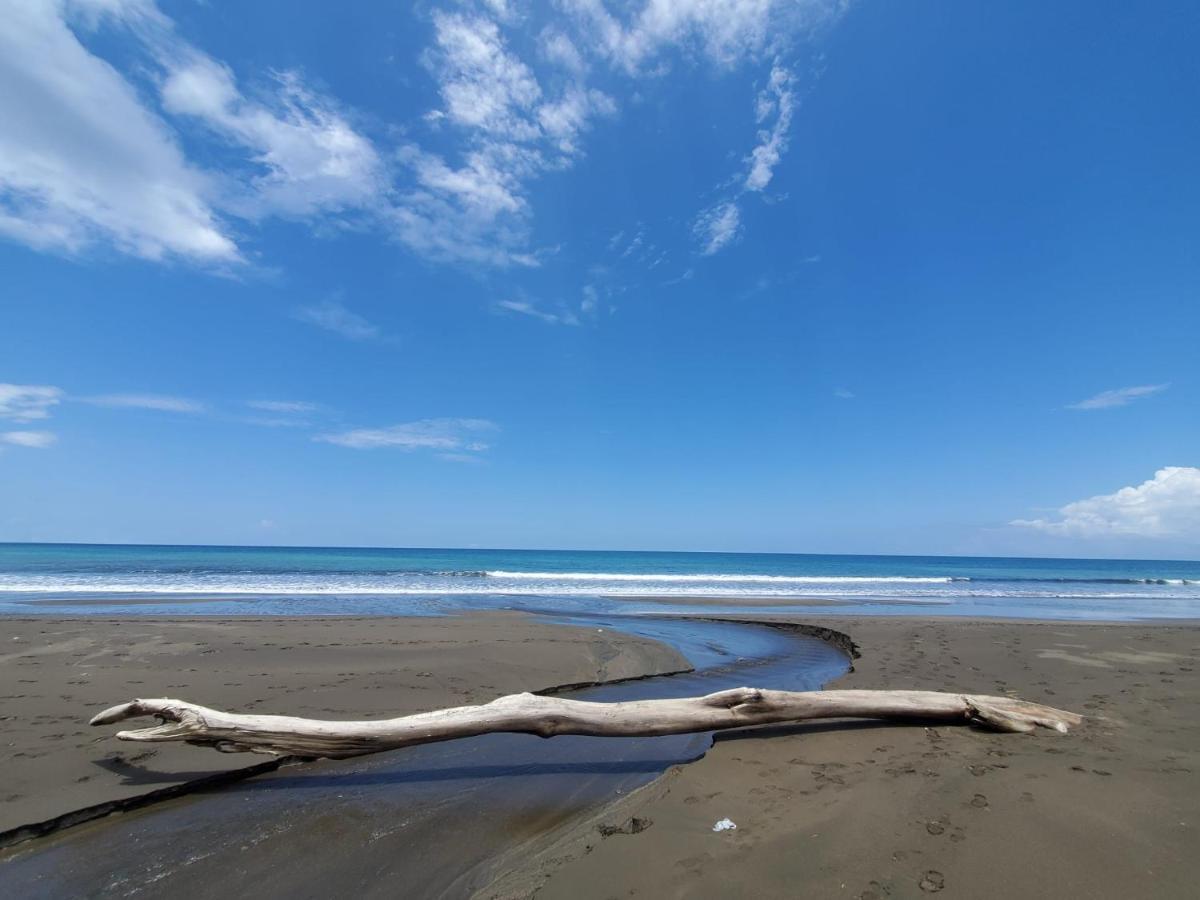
{"type": "Point", "coordinates": [871, 811]}
{"type": "Point", "coordinates": [57, 672]}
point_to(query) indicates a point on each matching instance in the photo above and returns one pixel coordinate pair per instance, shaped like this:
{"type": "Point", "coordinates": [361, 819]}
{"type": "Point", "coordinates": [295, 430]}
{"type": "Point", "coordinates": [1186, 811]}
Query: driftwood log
{"type": "Point", "coordinates": [549, 716]}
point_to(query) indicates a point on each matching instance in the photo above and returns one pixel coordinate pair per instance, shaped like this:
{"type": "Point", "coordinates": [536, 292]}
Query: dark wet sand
{"type": "Point", "coordinates": [867, 811]}
{"type": "Point", "coordinates": [55, 673]}
{"type": "Point", "coordinates": [831, 809]}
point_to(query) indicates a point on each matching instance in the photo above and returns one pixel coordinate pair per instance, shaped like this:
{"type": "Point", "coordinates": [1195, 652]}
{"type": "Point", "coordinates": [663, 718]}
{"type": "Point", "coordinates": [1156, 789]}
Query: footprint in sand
{"type": "Point", "coordinates": [875, 891]}
{"type": "Point", "coordinates": [932, 881]}
{"type": "Point", "coordinates": [979, 801]}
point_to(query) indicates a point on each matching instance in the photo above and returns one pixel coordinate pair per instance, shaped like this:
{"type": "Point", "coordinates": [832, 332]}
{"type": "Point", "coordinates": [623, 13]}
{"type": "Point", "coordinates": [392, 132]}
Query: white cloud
{"type": "Point", "coordinates": [634, 245]}
{"type": "Point", "coordinates": [1119, 397]}
{"type": "Point", "coordinates": [591, 297]}
{"type": "Point", "coordinates": [529, 309]}
{"type": "Point", "coordinates": [718, 226]}
{"type": "Point", "coordinates": [561, 50]}
{"type": "Point", "coordinates": [158, 402]}
{"type": "Point", "coordinates": [283, 406]}
{"type": "Point", "coordinates": [82, 160]}
{"type": "Point", "coordinates": [483, 85]}
{"type": "Point", "coordinates": [333, 316]}
{"type": "Point", "coordinates": [512, 131]}
{"type": "Point", "coordinates": [775, 104]}
{"type": "Point", "coordinates": [449, 435]}
{"type": "Point", "coordinates": [1168, 505]}
{"type": "Point", "coordinates": [562, 120]}
{"type": "Point", "coordinates": [775, 100]}
{"type": "Point", "coordinates": [724, 31]}
{"type": "Point", "coordinates": [308, 158]}
{"type": "Point", "coordinates": [687, 275]}
{"type": "Point", "coordinates": [34, 439]}
{"type": "Point", "coordinates": [85, 159]}
{"type": "Point", "coordinates": [843, 394]}
{"type": "Point", "coordinates": [28, 402]}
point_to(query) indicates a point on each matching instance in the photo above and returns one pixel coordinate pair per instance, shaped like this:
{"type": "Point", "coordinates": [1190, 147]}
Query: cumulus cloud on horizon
{"type": "Point", "coordinates": [1165, 506]}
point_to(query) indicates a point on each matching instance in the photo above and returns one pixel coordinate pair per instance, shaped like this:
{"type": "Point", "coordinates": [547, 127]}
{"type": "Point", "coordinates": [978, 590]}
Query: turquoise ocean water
{"type": "Point", "coordinates": [299, 581]}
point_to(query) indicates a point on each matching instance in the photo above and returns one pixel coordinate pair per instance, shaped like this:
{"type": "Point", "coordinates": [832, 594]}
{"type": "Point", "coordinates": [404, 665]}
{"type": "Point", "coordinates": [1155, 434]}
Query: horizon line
{"type": "Point", "coordinates": [581, 550]}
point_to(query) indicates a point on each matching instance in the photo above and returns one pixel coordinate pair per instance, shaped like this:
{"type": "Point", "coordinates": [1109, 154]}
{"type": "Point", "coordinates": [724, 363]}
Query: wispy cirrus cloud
{"type": "Point", "coordinates": [513, 129]}
{"type": "Point", "coordinates": [718, 227]}
{"type": "Point", "coordinates": [518, 123]}
{"type": "Point", "coordinates": [334, 316]}
{"type": "Point", "coordinates": [447, 435]}
{"type": "Point", "coordinates": [24, 403]}
{"type": "Point", "coordinates": [723, 32]}
{"type": "Point", "coordinates": [28, 402]}
{"type": "Point", "coordinates": [525, 308]}
{"type": "Point", "coordinates": [304, 158]}
{"type": "Point", "coordinates": [1166, 506]}
{"type": "Point", "coordinates": [156, 402]}
{"type": "Point", "coordinates": [33, 439]}
{"type": "Point", "coordinates": [283, 406]}
{"type": "Point", "coordinates": [281, 413]}
{"type": "Point", "coordinates": [1119, 397]}
{"type": "Point", "coordinates": [775, 104]}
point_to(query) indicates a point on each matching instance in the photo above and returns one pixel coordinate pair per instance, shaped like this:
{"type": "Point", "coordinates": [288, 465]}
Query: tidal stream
{"type": "Point", "coordinates": [440, 820]}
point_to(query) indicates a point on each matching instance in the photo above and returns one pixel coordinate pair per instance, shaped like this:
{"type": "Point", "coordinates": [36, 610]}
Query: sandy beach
{"type": "Point", "coordinates": [862, 810]}
{"type": "Point", "coordinates": [870, 811]}
{"type": "Point", "coordinates": [57, 672]}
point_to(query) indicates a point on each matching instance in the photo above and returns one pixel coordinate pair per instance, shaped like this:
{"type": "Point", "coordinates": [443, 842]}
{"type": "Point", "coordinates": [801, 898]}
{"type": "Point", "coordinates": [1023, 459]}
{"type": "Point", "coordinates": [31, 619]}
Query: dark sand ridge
{"type": "Point", "coordinates": [870, 811]}
{"type": "Point", "coordinates": [56, 672]}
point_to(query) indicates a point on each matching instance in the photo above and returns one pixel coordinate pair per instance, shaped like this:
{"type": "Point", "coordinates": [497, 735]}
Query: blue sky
{"type": "Point", "coordinates": [744, 275]}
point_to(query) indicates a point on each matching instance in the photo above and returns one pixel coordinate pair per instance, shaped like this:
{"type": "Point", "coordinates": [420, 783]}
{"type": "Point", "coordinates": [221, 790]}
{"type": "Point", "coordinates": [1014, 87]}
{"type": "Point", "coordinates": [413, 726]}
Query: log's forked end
{"type": "Point", "coordinates": [117, 713]}
{"type": "Point", "coordinates": [178, 720]}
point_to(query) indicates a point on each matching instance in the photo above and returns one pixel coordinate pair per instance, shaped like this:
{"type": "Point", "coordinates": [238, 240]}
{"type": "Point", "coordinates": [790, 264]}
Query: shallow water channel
{"type": "Point", "coordinates": [430, 821]}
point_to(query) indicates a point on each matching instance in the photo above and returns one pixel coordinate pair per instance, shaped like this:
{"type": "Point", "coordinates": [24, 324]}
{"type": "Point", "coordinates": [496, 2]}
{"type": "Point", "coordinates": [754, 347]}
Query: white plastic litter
{"type": "Point", "coordinates": [725, 825]}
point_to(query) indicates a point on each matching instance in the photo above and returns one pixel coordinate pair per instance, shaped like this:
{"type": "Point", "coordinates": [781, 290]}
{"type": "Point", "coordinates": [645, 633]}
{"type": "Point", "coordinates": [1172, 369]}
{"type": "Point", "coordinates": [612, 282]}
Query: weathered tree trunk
{"type": "Point", "coordinates": [548, 716]}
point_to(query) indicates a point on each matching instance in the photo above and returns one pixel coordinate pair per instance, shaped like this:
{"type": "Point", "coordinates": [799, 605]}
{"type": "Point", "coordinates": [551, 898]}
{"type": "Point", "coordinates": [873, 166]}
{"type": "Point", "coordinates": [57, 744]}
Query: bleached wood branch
{"type": "Point", "coordinates": [549, 716]}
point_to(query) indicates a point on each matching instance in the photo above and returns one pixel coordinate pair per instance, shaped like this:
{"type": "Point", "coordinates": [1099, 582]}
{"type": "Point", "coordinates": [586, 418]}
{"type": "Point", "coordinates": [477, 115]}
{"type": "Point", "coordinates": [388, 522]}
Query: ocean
{"type": "Point", "coordinates": [368, 581]}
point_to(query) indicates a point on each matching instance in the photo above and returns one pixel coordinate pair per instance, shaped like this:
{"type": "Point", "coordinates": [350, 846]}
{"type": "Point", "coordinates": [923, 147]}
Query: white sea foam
{"type": "Point", "coordinates": [701, 577]}
{"type": "Point", "coordinates": [892, 590]}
